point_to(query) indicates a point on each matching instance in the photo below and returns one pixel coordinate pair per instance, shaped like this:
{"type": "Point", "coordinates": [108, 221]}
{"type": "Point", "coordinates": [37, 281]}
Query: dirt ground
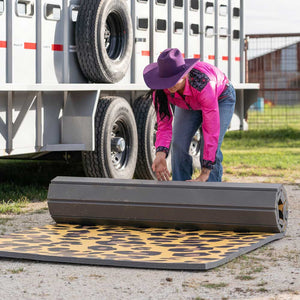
{"type": "Point", "coordinates": [271, 272]}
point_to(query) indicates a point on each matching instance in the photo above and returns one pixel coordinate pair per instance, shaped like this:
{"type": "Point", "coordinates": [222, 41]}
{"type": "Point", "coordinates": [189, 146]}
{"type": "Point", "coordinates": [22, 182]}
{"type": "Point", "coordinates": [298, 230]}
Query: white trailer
{"type": "Point", "coordinates": [71, 74]}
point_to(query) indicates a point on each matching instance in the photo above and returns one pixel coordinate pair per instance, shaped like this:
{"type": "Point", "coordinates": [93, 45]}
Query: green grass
{"type": "Point", "coordinates": [24, 181]}
{"type": "Point", "coordinates": [11, 191]}
{"type": "Point", "coordinates": [245, 277]}
{"type": "Point", "coordinates": [274, 154]}
{"type": "Point", "coordinates": [274, 117]}
{"type": "Point", "coordinates": [12, 207]}
{"type": "Point", "coordinates": [215, 285]}
{"type": "Point", "coordinates": [262, 290]}
{"type": "Point", "coordinates": [262, 283]}
{"type": "Point", "coordinates": [16, 271]}
{"type": "Point", "coordinates": [267, 138]}
{"type": "Point", "coordinates": [36, 172]}
{"type": "Point", "coordinates": [271, 154]}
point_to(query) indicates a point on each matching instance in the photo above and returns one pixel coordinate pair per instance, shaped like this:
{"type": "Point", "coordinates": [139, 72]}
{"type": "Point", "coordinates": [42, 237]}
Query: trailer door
{"type": "Point", "coordinates": [193, 29]}
{"type": "Point", "coordinates": [24, 41]}
{"type": "Point", "coordinates": [209, 32]}
{"type": "Point", "coordinates": [141, 24]}
{"type": "Point", "coordinates": [177, 24]}
{"type": "Point", "coordinates": [235, 41]}
{"type": "Point", "coordinates": [159, 28]}
{"type": "Point", "coordinates": [52, 43]}
{"type": "Point", "coordinates": [127, 78]}
{"type": "Point", "coordinates": [223, 36]}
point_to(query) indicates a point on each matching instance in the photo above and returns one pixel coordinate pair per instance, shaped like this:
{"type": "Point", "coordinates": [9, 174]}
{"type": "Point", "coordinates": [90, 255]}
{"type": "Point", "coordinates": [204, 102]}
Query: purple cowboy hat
{"type": "Point", "coordinates": [169, 69]}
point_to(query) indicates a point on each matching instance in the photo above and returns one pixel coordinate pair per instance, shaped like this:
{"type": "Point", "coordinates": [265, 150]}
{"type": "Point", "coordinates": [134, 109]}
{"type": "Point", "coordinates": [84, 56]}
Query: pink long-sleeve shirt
{"type": "Point", "coordinates": [204, 85]}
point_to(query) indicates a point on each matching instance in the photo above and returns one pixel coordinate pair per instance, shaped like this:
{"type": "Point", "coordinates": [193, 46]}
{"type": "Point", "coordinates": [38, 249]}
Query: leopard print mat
{"type": "Point", "coordinates": [131, 247]}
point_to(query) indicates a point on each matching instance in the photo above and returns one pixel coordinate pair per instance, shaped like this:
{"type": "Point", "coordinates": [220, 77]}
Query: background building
{"type": "Point", "coordinates": [274, 62]}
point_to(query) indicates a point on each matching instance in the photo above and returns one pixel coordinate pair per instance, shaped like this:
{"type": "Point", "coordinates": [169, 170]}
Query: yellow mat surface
{"type": "Point", "coordinates": [131, 247]}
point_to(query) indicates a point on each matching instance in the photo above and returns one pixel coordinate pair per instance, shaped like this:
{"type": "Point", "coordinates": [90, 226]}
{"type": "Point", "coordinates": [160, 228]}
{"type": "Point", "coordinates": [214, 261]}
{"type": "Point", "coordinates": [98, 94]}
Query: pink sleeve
{"type": "Point", "coordinates": [164, 128]}
{"type": "Point", "coordinates": [211, 121]}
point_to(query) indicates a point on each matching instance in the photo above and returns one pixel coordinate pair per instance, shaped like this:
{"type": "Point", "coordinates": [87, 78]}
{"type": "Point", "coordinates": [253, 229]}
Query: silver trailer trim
{"type": "Point", "coordinates": [96, 87]}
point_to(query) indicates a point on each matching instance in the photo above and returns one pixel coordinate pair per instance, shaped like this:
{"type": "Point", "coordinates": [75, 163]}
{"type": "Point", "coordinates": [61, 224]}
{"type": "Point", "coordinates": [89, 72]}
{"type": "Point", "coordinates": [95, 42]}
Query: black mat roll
{"type": "Point", "coordinates": [195, 205]}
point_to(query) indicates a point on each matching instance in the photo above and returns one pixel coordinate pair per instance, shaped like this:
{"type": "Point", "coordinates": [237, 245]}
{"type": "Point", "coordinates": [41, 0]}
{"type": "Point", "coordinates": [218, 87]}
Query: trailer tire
{"type": "Point", "coordinates": [145, 117]}
{"type": "Point", "coordinates": [116, 141]}
{"type": "Point", "coordinates": [104, 39]}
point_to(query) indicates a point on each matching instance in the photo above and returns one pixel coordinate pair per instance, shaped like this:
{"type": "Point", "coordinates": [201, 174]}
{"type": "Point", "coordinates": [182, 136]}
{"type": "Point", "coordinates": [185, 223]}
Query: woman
{"type": "Point", "coordinates": [202, 94]}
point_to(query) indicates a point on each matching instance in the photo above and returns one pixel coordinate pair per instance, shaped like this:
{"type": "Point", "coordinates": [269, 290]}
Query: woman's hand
{"type": "Point", "coordinates": [159, 166]}
{"type": "Point", "coordinates": [203, 175]}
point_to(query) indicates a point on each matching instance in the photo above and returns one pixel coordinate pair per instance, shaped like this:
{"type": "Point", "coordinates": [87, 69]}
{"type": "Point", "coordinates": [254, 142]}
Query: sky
{"type": "Point", "coordinates": [272, 16]}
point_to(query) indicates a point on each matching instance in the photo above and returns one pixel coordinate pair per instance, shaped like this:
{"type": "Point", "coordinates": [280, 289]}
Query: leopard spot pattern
{"type": "Point", "coordinates": [107, 242]}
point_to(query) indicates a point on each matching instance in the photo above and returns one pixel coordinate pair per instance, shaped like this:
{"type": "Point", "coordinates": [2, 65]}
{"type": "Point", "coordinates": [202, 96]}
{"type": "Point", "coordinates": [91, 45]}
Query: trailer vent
{"type": "Point", "coordinates": [209, 31]}
{"type": "Point", "coordinates": [25, 8]}
{"type": "Point", "coordinates": [178, 27]}
{"type": "Point", "coordinates": [209, 8]}
{"type": "Point", "coordinates": [195, 4]}
{"type": "Point", "coordinates": [223, 32]}
{"type": "Point", "coordinates": [74, 13]}
{"type": "Point", "coordinates": [52, 12]}
{"type": "Point", "coordinates": [161, 25]}
{"type": "Point", "coordinates": [194, 29]}
{"type": "Point", "coordinates": [143, 23]}
{"type": "Point", "coordinates": [236, 12]}
{"type": "Point", "coordinates": [1, 6]}
{"type": "Point", "coordinates": [145, 1]}
{"type": "Point", "coordinates": [178, 3]}
{"type": "Point", "coordinates": [223, 10]}
{"type": "Point", "coordinates": [236, 34]}
{"type": "Point", "coordinates": [161, 2]}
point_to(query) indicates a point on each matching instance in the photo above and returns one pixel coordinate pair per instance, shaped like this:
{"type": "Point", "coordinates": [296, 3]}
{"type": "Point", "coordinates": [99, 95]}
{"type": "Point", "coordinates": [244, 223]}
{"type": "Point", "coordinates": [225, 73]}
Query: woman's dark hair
{"type": "Point", "coordinates": [161, 104]}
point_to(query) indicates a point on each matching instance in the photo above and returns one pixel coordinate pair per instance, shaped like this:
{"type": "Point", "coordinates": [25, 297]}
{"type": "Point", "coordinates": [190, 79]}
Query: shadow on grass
{"type": "Point", "coordinates": [28, 180]}
{"type": "Point", "coordinates": [25, 172]}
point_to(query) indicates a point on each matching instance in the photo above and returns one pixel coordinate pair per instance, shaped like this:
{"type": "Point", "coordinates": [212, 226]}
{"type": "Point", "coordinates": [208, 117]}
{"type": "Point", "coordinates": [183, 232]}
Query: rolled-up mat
{"type": "Point", "coordinates": [195, 205]}
{"type": "Point", "coordinates": [194, 226]}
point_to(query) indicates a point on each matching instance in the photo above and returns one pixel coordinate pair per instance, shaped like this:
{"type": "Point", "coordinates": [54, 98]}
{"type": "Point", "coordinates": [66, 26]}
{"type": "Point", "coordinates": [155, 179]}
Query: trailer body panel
{"type": "Point", "coordinates": [47, 103]}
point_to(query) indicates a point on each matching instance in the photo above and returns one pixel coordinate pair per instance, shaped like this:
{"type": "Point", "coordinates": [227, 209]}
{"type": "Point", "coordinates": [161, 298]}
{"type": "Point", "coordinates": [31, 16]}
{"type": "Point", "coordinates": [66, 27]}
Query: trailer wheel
{"type": "Point", "coordinates": [116, 141]}
{"type": "Point", "coordinates": [104, 39]}
{"type": "Point", "coordinates": [145, 117]}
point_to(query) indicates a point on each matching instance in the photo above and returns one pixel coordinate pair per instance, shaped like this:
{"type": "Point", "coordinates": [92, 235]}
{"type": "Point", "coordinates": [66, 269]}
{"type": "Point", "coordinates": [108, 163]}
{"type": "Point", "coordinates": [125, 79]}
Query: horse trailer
{"type": "Point", "coordinates": [71, 74]}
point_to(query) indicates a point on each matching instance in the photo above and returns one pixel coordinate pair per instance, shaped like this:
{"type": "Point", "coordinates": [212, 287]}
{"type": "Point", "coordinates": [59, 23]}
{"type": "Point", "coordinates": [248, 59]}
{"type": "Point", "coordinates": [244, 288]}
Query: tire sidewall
{"type": "Point", "coordinates": [146, 119]}
{"type": "Point", "coordinates": [119, 109]}
{"type": "Point", "coordinates": [114, 69]}
{"type": "Point", "coordinates": [149, 132]}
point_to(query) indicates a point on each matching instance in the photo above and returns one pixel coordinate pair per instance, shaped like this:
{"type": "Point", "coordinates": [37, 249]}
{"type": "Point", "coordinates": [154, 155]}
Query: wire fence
{"type": "Point", "coordinates": [273, 61]}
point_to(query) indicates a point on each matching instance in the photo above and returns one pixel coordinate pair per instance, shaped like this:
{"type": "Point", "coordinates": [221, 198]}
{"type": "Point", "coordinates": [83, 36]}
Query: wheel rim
{"type": "Point", "coordinates": [195, 145]}
{"type": "Point", "coordinates": [120, 135]}
{"type": "Point", "coordinates": [153, 149]}
{"type": "Point", "coordinates": [114, 37]}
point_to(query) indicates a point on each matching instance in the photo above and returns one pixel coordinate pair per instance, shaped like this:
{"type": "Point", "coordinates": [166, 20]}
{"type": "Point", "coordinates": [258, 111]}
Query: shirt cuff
{"type": "Point", "coordinates": [163, 149]}
{"type": "Point", "coordinates": [208, 164]}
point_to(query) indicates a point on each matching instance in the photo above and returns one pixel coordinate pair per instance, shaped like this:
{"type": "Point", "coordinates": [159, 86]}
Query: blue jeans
{"type": "Point", "coordinates": [186, 123]}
